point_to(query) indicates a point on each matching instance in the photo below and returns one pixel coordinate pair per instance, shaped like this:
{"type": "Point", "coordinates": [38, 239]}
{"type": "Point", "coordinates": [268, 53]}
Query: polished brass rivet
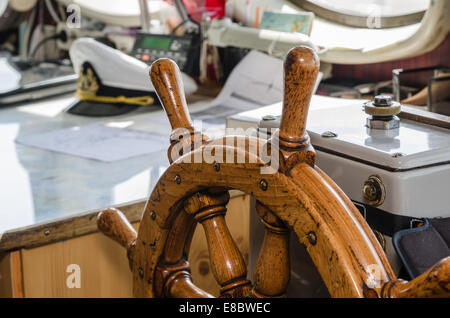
{"type": "Point", "coordinates": [312, 238]}
{"type": "Point", "coordinates": [263, 184]}
{"type": "Point", "coordinates": [177, 179]}
{"type": "Point", "coordinates": [370, 191]}
{"type": "Point", "coordinates": [217, 166]}
{"type": "Point", "coordinates": [373, 191]}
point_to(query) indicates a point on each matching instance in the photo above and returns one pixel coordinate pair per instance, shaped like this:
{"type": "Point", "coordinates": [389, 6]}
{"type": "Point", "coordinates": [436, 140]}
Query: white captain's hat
{"type": "Point", "coordinates": [111, 82]}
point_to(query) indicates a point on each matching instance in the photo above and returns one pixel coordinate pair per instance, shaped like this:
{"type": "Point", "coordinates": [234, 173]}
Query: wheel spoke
{"type": "Point", "coordinates": [272, 270]}
{"type": "Point", "coordinates": [227, 263]}
{"type": "Point", "coordinates": [174, 281]}
{"type": "Point", "coordinates": [179, 238]}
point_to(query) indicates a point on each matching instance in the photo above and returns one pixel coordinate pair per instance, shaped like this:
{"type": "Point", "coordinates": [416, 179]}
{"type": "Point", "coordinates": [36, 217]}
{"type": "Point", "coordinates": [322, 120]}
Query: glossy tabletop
{"type": "Point", "coordinates": [39, 186]}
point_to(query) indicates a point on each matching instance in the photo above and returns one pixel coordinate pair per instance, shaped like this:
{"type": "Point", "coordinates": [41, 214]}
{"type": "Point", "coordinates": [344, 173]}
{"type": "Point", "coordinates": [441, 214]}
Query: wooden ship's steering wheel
{"type": "Point", "coordinates": [297, 197]}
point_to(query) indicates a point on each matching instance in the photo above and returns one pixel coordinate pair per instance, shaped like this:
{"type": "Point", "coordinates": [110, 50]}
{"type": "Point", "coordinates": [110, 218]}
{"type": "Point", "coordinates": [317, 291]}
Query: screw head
{"type": "Point", "coordinates": [328, 134]}
{"type": "Point", "coordinates": [370, 191]}
{"type": "Point", "coordinates": [153, 215]}
{"type": "Point", "coordinates": [177, 179]}
{"type": "Point", "coordinates": [397, 154]}
{"type": "Point", "coordinates": [263, 184]}
{"type": "Point", "coordinates": [382, 100]}
{"type": "Point", "coordinates": [268, 117]}
{"type": "Point", "coordinates": [47, 232]}
{"type": "Point", "coordinates": [373, 191]}
{"type": "Point", "coordinates": [312, 238]}
{"type": "Point", "coordinates": [141, 272]}
{"type": "Point", "coordinates": [217, 166]}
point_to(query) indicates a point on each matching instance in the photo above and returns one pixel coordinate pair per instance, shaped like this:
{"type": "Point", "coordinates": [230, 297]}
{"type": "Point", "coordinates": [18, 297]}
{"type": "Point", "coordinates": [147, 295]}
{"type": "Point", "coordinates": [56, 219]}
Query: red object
{"type": "Point", "coordinates": [145, 57]}
{"type": "Point", "coordinates": [196, 8]}
{"type": "Point", "coordinates": [216, 8]}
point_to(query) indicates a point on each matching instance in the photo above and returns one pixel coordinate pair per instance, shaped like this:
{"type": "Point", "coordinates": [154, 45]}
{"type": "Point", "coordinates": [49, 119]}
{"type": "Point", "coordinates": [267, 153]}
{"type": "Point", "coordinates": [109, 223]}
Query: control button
{"type": "Point", "coordinates": [145, 57]}
{"type": "Point", "coordinates": [175, 46]}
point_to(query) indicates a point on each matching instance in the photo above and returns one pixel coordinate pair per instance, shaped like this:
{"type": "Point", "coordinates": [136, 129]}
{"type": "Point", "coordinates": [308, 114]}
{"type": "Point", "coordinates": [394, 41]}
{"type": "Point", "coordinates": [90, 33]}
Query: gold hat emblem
{"type": "Point", "coordinates": [87, 85]}
{"type": "Point", "coordinates": [87, 88]}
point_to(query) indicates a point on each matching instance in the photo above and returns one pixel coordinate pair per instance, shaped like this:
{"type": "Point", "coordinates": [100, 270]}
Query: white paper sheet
{"type": "Point", "coordinates": [255, 82]}
{"type": "Point", "coordinates": [9, 76]}
{"type": "Point", "coordinates": [96, 141]}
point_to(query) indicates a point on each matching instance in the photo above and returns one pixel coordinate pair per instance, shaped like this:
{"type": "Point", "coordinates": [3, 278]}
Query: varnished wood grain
{"type": "Point", "coordinates": [68, 228]}
{"type": "Point", "coordinates": [166, 79]}
{"type": "Point", "coordinates": [227, 263]}
{"type": "Point", "coordinates": [297, 197]}
{"type": "Point", "coordinates": [272, 269]}
{"type": "Point", "coordinates": [103, 265]}
{"type": "Point", "coordinates": [174, 281]}
{"type": "Point", "coordinates": [16, 274]}
{"type": "Point", "coordinates": [301, 67]}
{"type": "Point", "coordinates": [182, 287]}
{"type": "Point", "coordinates": [435, 282]}
{"type": "Point", "coordinates": [238, 222]}
{"type": "Point", "coordinates": [114, 224]}
{"type": "Point", "coordinates": [343, 262]}
{"type": "Point", "coordinates": [5, 276]}
{"type": "Point", "coordinates": [180, 235]}
{"type": "Point", "coordinates": [345, 277]}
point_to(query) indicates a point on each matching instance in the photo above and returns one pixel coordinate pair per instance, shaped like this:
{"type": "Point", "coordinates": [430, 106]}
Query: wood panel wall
{"type": "Point", "coordinates": [383, 71]}
{"type": "Point", "coordinates": [103, 263]}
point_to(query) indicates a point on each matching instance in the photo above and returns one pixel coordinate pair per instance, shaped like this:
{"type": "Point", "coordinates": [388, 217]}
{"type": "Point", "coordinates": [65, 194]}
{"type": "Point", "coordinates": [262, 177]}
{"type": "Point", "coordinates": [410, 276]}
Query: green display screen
{"type": "Point", "coordinates": [155, 43]}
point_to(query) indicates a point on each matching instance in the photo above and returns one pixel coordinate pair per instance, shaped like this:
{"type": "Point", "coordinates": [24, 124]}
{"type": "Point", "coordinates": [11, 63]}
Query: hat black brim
{"type": "Point", "coordinates": [96, 109]}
